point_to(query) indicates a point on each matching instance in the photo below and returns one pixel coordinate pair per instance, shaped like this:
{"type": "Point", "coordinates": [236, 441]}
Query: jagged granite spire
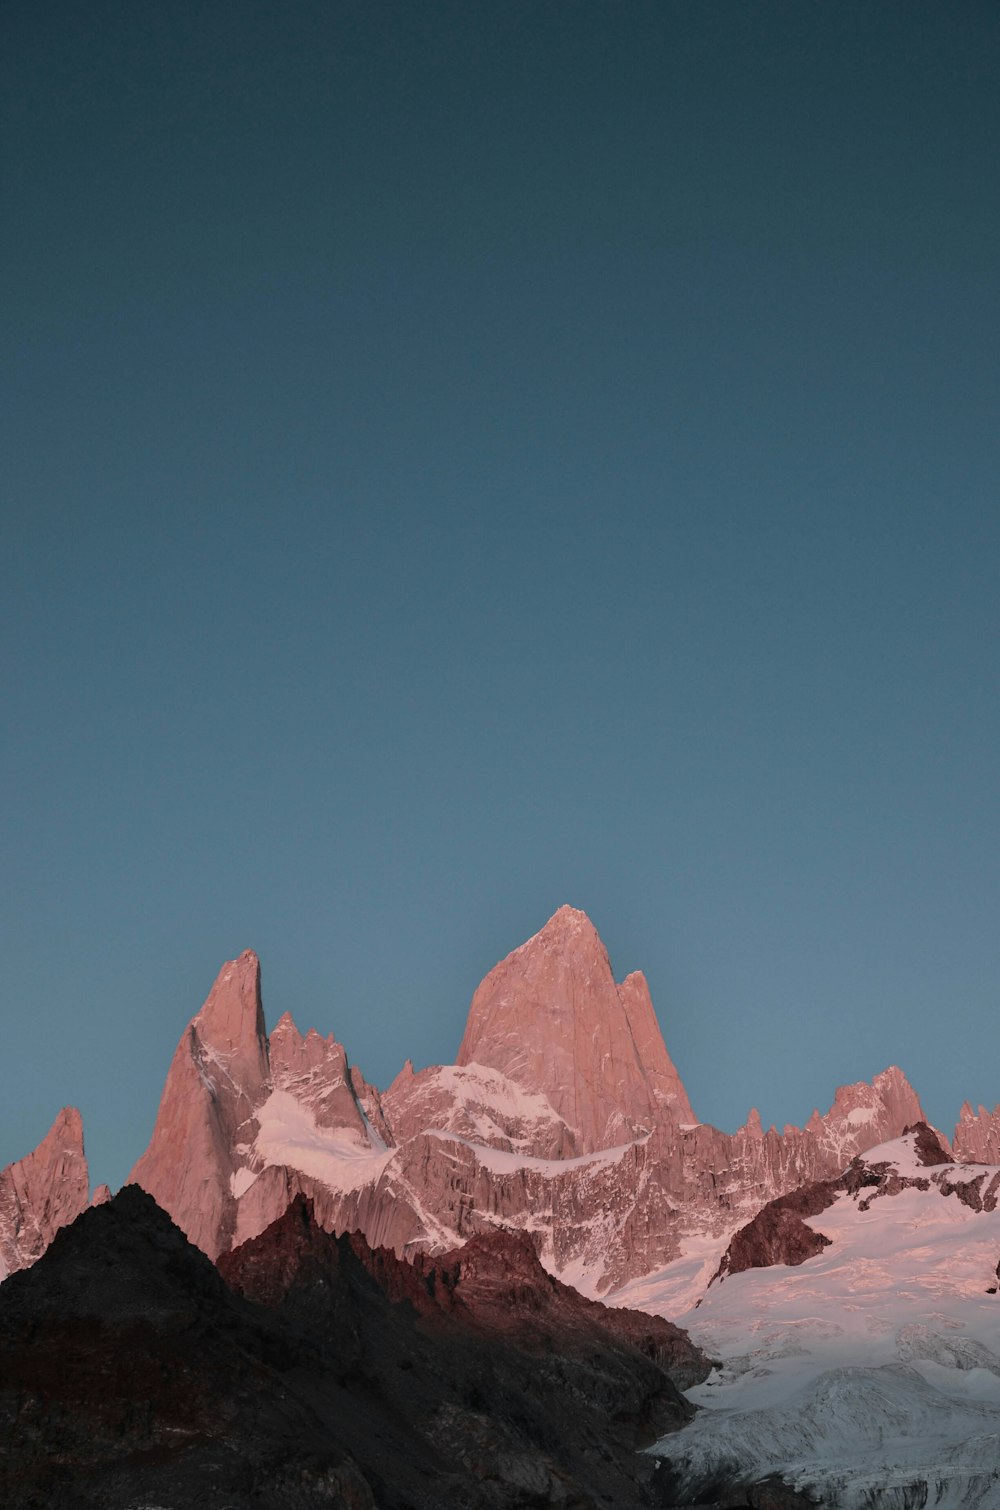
{"type": "Point", "coordinates": [552, 1019]}
{"type": "Point", "coordinates": [42, 1192]}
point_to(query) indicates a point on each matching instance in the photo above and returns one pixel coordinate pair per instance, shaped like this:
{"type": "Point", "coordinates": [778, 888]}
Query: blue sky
{"type": "Point", "coordinates": [469, 458]}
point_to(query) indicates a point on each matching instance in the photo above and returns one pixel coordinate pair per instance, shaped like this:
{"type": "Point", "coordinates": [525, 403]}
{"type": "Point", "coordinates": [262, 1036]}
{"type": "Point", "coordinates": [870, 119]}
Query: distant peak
{"type": "Point", "coordinates": [568, 915]}
{"type": "Point", "coordinates": [69, 1120]}
{"type": "Point", "coordinates": [551, 1018]}
{"type": "Point", "coordinates": [569, 930]}
{"type": "Point", "coordinates": [66, 1132]}
{"type": "Point", "coordinates": [232, 1018]}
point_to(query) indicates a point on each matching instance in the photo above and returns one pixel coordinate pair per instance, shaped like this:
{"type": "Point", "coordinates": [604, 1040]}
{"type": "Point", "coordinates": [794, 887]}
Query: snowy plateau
{"type": "Point", "coordinates": [842, 1276]}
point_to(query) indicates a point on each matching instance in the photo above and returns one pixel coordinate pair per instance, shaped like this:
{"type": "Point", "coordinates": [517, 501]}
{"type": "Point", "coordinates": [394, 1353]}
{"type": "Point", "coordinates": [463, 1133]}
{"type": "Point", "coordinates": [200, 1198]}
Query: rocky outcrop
{"type": "Point", "coordinates": [977, 1135]}
{"type": "Point", "coordinates": [319, 1373]}
{"type": "Point", "coordinates": [42, 1192]}
{"type": "Point", "coordinates": [928, 1145]}
{"type": "Point", "coordinates": [980, 1192]}
{"type": "Point", "coordinates": [778, 1234]}
{"type": "Point", "coordinates": [217, 1079]}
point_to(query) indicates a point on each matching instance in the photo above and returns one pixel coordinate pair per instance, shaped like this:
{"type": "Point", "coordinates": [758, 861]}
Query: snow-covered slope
{"type": "Point", "coordinates": [868, 1374]}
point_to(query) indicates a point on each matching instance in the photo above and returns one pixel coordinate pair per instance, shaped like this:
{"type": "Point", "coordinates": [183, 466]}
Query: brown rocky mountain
{"type": "Point", "coordinates": [493, 1286]}
{"type": "Point", "coordinates": [321, 1373]}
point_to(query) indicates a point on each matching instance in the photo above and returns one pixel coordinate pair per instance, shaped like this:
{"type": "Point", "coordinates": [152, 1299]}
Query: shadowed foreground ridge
{"type": "Point", "coordinates": [492, 1288]}
{"type": "Point", "coordinates": [320, 1372]}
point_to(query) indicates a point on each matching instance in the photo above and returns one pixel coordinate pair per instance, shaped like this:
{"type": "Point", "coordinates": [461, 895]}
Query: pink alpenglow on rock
{"type": "Point", "coordinates": [246, 1122]}
{"type": "Point", "coordinates": [977, 1136]}
{"type": "Point", "coordinates": [42, 1192]}
{"type": "Point", "coordinates": [564, 1117]}
{"type": "Point", "coordinates": [315, 1071]}
{"type": "Point", "coordinates": [551, 1018]}
{"type": "Point", "coordinates": [216, 1081]}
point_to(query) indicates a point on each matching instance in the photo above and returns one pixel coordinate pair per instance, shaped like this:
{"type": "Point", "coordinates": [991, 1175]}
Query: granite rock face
{"type": "Point", "coordinates": [238, 1105]}
{"type": "Point", "coordinates": [977, 1136]}
{"type": "Point", "coordinates": [42, 1192]}
{"type": "Point", "coordinates": [216, 1080]}
{"type": "Point", "coordinates": [551, 1019]}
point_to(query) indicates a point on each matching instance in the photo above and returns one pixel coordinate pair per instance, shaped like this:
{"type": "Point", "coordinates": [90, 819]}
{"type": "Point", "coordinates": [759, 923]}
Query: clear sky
{"type": "Point", "coordinates": [458, 459]}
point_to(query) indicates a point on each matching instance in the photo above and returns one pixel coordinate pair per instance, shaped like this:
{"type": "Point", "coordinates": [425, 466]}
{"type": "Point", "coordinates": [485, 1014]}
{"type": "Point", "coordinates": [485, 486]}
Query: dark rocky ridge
{"type": "Point", "coordinates": [493, 1287]}
{"type": "Point", "coordinates": [134, 1374]}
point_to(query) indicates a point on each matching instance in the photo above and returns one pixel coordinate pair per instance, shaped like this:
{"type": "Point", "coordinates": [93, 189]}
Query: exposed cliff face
{"type": "Point", "coordinates": [977, 1136]}
{"type": "Point", "coordinates": [216, 1080]}
{"type": "Point", "coordinates": [550, 1017]}
{"type": "Point", "coordinates": [238, 1106]}
{"type": "Point", "coordinates": [42, 1192]}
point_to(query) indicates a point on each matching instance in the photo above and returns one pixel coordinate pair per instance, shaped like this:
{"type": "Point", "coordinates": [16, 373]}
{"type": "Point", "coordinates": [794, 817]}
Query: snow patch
{"type": "Point", "coordinates": [241, 1180]}
{"type": "Point", "coordinates": [289, 1135]}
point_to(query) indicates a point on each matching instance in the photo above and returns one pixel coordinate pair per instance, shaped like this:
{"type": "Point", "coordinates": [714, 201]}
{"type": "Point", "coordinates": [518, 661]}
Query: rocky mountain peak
{"type": "Point", "coordinates": [218, 1076]}
{"type": "Point", "coordinates": [875, 1111]}
{"type": "Point", "coordinates": [41, 1192]}
{"type": "Point", "coordinates": [569, 920]}
{"type": "Point", "coordinates": [551, 1018]}
{"type": "Point", "coordinates": [977, 1136]}
{"type": "Point", "coordinates": [231, 1022]}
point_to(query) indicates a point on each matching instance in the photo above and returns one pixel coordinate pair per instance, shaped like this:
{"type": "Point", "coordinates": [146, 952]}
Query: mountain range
{"type": "Point", "coordinates": [563, 1119]}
